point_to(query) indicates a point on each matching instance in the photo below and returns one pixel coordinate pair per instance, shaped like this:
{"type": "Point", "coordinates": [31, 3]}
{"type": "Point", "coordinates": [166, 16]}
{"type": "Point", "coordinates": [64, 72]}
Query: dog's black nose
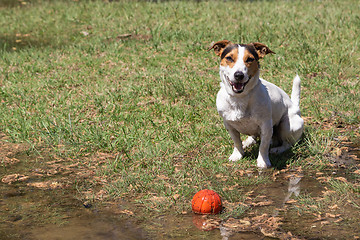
{"type": "Point", "coordinates": [239, 75]}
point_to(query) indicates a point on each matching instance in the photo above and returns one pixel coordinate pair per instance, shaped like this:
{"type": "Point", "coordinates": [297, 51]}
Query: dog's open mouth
{"type": "Point", "coordinates": [237, 87]}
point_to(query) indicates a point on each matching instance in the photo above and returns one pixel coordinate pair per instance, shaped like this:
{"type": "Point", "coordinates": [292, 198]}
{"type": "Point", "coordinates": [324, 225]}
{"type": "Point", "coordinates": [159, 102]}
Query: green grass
{"type": "Point", "coordinates": [71, 82]}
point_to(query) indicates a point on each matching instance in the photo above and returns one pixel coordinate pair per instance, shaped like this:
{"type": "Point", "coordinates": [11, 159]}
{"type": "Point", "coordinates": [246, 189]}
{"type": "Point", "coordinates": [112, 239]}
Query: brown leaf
{"type": "Point", "coordinates": [14, 178]}
{"type": "Point", "coordinates": [338, 220]}
{"type": "Point", "coordinates": [261, 204]}
{"type": "Point", "coordinates": [342, 179]}
{"type": "Point", "coordinates": [126, 212]}
{"type": "Point", "coordinates": [163, 177]}
{"type": "Point", "coordinates": [291, 201]}
{"type": "Point", "coordinates": [269, 233]}
{"type": "Point", "coordinates": [323, 179]}
{"type": "Point", "coordinates": [333, 207]}
{"type": "Point", "coordinates": [48, 184]}
{"type": "Point", "coordinates": [330, 215]}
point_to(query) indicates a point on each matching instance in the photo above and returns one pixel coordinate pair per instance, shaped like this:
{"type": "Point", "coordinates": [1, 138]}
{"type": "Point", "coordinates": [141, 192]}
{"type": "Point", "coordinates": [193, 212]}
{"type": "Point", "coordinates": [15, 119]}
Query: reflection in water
{"type": "Point", "coordinates": [294, 187]}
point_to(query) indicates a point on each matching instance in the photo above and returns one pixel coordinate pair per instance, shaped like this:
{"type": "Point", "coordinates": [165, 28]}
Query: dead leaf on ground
{"type": "Point", "coordinates": [338, 220]}
{"type": "Point", "coordinates": [323, 179]}
{"type": "Point", "coordinates": [9, 161]}
{"type": "Point", "coordinates": [330, 215]}
{"type": "Point", "coordinates": [163, 177]}
{"type": "Point", "coordinates": [47, 185]}
{"type": "Point", "coordinates": [342, 179]}
{"type": "Point", "coordinates": [126, 212]}
{"type": "Point", "coordinates": [9, 179]}
{"type": "Point", "coordinates": [333, 207]}
{"type": "Point", "coordinates": [261, 204]}
{"type": "Point", "coordinates": [176, 196]}
{"type": "Point", "coordinates": [291, 201]}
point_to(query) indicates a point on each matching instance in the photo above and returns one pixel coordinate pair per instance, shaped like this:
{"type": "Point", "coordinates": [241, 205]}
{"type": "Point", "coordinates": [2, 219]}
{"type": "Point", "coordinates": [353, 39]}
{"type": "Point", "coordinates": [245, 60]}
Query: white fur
{"type": "Point", "coordinates": [255, 111]}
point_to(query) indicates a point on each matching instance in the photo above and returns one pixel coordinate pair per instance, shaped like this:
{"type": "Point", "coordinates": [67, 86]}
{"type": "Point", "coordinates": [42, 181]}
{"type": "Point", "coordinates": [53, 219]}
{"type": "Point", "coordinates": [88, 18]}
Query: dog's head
{"type": "Point", "coordinates": [239, 64]}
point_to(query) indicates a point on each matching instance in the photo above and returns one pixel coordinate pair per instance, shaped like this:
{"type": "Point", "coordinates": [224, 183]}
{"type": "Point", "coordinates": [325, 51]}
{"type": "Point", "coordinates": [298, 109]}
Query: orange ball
{"type": "Point", "coordinates": [206, 202]}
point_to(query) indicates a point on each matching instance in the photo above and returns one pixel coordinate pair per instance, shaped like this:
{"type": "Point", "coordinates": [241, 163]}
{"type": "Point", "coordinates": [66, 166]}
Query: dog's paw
{"type": "Point", "coordinates": [263, 163]}
{"type": "Point", "coordinates": [235, 156]}
{"type": "Point", "coordinates": [248, 142]}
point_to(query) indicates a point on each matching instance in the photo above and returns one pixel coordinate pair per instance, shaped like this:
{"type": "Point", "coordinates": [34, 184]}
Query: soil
{"type": "Point", "coordinates": [45, 197]}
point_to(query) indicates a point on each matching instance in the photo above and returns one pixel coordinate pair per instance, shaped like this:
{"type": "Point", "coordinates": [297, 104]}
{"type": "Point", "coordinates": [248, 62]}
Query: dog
{"type": "Point", "coordinates": [252, 106]}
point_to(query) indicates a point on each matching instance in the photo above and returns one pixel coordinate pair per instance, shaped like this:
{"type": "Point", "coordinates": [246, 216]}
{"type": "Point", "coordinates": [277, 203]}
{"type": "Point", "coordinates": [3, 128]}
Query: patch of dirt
{"type": "Point", "coordinates": [50, 172]}
{"type": "Point", "coordinates": [271, 211]}
{"type": "Point", "coordinates": [8, 151]}
{"type": "Point", "coordinates": [344, 153]}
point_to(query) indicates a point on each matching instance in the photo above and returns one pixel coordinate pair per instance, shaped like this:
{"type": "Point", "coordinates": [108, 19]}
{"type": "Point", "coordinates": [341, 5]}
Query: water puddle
{"type": "Point", "coordinates": [28, 213]}
{"type": "Point", "coordinates": [38, 200]}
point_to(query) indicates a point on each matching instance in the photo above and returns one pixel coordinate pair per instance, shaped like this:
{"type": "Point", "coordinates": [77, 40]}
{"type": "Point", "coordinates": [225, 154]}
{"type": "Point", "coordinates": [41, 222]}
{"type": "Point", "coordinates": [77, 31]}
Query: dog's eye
{"type": "Point", "coordinates": [229, 59]}
{"type": "Point", "coordinates": [250, 59]}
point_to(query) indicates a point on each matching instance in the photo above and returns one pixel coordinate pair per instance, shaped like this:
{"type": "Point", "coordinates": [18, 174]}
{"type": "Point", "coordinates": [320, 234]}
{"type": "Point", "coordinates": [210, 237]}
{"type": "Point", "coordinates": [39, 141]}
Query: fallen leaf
{"type": "Point", "coordinates": [268, 234]}
{"type": "Point", "coordinates": [261, 204]}
{"type": "Point", "coordinates": [333, 207]}
{"type": "Point", "coordinates": [163, 177]}
{"type": "Point", "coordinates": [127, 212]}
{"type": "Point", "coordinates": [323, 179]}
{"type": "Point", "coordinates": [328, 193]}
{"type": "Point", "coordinates": [330, 215]}
{"type": "Point", "coordinates": [14, 178]}
{"type": "Point", "coordinates": [342, 179]}
{"type": "Point", "coordinates": [48, 184]}
{"type": "Point", "coordinates": [176, 196]}
{"type": "Point", "coordinates": [291, 201]}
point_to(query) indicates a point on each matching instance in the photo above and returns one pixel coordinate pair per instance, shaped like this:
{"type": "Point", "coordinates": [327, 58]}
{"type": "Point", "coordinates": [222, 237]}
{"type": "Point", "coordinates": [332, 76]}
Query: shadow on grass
{"type": "Point", "coordinates": [278, 161]}
{"type": "Point", "coordinates": [9, 3]}
{"type": "Point", "coordinates": [13, 42]}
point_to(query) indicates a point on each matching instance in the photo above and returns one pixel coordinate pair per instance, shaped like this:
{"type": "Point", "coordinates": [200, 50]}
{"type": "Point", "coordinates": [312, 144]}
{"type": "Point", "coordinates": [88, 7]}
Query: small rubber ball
{"type": "Point", "coordinates": [206, 202]}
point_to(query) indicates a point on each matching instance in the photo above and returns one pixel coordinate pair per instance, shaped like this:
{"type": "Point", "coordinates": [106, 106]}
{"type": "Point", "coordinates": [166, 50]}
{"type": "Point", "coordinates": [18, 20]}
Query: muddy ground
{"type": "Point", "coordinates": [46, 197]}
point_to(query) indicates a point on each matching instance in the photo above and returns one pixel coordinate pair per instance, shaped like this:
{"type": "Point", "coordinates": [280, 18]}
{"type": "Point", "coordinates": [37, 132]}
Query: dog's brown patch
{"type": "Point", "coordinates": [229, 56]}
{"type": "Point", "coordinates": [251, 62]}
{"type": "Point", "coordinates": [261, 49]}
{"type": "Point", "coordinates": [220, 46]}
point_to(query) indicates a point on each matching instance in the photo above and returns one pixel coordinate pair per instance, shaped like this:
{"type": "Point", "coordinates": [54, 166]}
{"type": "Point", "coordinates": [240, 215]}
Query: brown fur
{"type": "Point", "coordinates": [234, 55]}
{"type": "Point", "coordinates": [220, 46]}
{"type": "Point", "coordinates": [253, 66]}
{"type": "Point", "coordinates": [261, 49]}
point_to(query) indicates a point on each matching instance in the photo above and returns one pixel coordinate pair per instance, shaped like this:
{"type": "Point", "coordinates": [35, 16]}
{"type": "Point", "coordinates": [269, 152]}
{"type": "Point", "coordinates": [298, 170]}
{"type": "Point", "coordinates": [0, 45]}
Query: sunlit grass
{"type": "Point", "coordinates": [72, 82]}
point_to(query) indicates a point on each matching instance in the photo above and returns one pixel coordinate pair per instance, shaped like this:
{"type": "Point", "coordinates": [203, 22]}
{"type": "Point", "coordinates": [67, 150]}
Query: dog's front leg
{"type": "Point", "coordinates": [238, 148]}
{"type": "Point", "coordinates": [263, 160]}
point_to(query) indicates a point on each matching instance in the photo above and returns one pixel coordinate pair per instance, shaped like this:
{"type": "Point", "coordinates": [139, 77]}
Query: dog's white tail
{"type": "Point", "coordinates": [295, 93]}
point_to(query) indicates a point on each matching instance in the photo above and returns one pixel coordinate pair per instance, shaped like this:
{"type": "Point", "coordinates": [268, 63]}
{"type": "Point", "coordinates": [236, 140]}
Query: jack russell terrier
{"type": "Point", "coordinates": [252, 106]}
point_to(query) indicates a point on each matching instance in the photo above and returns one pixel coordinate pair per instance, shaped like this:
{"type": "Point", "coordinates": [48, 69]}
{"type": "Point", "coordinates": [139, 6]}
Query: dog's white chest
{"type": "Point", "coordinates": [236, 114]}
{"type": "Point", "coordinates": [230, 113]}
{"type": "Point", "coordinates": [228, 109]}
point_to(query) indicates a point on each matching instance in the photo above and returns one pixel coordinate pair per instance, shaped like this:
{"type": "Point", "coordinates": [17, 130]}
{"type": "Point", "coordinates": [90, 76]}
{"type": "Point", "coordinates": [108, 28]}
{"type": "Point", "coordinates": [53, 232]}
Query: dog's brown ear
{"type": "Point", "coordinates": [262, 49]}
{"type": "Point", "coordinates": [219, 46]}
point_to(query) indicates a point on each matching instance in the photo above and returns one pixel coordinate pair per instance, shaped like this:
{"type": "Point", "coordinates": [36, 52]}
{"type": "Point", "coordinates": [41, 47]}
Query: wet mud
{"type": "Point", "coordinates": [48, 198]}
